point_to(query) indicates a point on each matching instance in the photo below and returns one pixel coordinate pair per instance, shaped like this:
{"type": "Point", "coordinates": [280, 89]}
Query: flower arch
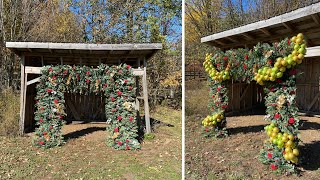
{"type": "Point", "coordinates": [273, 67]}
{"type": "Point", "coordinates": [115, 83]}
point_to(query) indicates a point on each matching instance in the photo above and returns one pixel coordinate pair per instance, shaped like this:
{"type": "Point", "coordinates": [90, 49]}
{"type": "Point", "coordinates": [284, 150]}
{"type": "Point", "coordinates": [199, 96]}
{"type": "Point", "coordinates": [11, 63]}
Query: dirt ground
{"type": "Point", "coordinates": [236, 157]}
{"type": "Point", "coordinates": [86, 156]}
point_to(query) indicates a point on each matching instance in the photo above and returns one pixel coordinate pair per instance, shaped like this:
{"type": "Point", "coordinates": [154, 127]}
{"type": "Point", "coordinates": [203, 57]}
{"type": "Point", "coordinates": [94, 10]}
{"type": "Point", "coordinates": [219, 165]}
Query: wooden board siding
{"type": "Point", "coordinates": [308, 86]}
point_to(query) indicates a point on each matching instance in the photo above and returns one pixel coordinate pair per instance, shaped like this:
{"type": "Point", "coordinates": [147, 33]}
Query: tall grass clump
{"type": "Point", "coordinates": [9, 113]}
{"type": "Point", "coordinates": [197, 98]}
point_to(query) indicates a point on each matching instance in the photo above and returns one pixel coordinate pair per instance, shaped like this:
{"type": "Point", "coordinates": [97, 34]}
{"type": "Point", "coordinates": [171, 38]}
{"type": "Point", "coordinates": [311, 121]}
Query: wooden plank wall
{"type": "Point", "coordinates": [89, 107]}
{"type": "Point", "coordinates": [244, 97]}
{"type": "Point", "coordinates": [308, 86]}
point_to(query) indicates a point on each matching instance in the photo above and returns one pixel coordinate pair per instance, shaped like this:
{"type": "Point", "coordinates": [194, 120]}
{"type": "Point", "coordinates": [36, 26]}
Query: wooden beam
{"type": "Point", "coordinates": [232, 39]}
{"type": "Point", "coordinates": [287, 17]}
{"type": "Point", "coordinates": [265, 31]}
{"type": "Point", "coordinates": [84, 46]}
{"type": "Point", "coordinates": [33, 81]}
{"type": "Point", "coordinates": [220, 42]}
{"type": "Point", "coordinates": [316, 18]}
{"type": "Point", "coordinates": [37, 70]}
{"type": "Point", "coordinates": [247, 36]}
{"type": "Point", "coordinates": [288, 26]}
{"type": "Point", "coordinates": [271, 38]}
{"type": "Point", "coordinates": [146, 102]}
{"type": "Point", "coordinates": [92, 56]}
{"type": "Point", "coordinates": [22, 89]}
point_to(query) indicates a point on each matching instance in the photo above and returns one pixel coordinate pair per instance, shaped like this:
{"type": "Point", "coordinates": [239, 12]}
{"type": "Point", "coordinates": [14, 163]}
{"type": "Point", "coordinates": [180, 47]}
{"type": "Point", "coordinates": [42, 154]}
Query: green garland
{"type": "Point", "coordinates": [116, 83]}
{"type": "Point", "coordinates": [271, 66]}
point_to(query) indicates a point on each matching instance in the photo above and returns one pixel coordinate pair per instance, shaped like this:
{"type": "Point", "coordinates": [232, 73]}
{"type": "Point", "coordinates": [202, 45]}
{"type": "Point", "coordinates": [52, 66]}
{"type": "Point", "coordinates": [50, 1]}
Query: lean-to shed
{"type": "Point", "coordinates": [306, 20]}
{"type": "Point", "coordinates": [35, 55]}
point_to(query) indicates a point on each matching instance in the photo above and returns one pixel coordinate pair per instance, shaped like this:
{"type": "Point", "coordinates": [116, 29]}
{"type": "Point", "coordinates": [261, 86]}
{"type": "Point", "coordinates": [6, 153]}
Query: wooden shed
{"type": "Point", "coordinates": [35, 55]}
{"type": "Point", "coordinates": [306, 20]}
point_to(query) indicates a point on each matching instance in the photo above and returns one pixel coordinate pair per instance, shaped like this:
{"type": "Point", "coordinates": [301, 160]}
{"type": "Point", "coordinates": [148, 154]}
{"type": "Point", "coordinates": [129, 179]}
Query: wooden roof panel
{"type": "Point", "coordinates": [305, 20]}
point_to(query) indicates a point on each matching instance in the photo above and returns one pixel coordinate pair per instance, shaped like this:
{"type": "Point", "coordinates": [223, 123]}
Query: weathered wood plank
{"type": "Point", "coordinates": [33, 81]}
{"type": "Point", "coordinates": [73, 109]}
{"type": "Point", "coordinates": [146, 102]}
{"type": "Point", "coordinates": [21, 123]}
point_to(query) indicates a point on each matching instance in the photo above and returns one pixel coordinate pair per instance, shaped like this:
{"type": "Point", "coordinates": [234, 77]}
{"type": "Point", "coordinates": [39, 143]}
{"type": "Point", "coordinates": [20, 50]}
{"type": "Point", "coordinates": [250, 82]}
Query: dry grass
{"type": "Point", "coordinates": [86, 156]}
{"type": "Point", "coordinates": [9, 113]}
{"type": "Point", "coordinates": [197, 98]}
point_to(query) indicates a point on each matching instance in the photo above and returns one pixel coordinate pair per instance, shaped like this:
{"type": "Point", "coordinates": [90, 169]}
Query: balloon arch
{"type": "Point", "coordinates": [273, 67]}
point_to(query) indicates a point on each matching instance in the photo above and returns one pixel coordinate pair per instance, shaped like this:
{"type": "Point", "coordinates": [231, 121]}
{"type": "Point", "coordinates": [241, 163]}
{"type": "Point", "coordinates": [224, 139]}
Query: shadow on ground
{"type": "Point", "coordinates": [306, 125]}
{"type": "Point", "coordinates": [310, 157]}
{"type": "Point", "coordinates": [245, 129]}
{"type": "Point", "coordinates": [82, 132]}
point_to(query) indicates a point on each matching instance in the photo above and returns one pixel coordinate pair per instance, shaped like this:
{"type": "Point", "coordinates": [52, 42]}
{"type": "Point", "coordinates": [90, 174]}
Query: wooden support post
{"type": "Point", "coordinates": [145, 98]}
{"type": "Point", "coordinates": [22, 89]}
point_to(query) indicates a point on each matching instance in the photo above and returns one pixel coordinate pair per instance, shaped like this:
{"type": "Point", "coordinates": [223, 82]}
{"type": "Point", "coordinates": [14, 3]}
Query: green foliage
{"type": "Point", "coordinates": [9, 116]}
{"type": "Point", "coordinates": [116, 83]}
{"type": "Point", "coordinates": [149, 136]}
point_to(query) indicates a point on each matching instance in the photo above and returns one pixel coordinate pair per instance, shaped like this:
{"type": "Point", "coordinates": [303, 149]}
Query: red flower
{"type": "Point", "coordinates": [88, 73]}
{"type": "Point", "coordinates": [218, 89]}
{"type": "Point", "coordinates": [291, 120]}
{"type": "Point", "coordinates": [56, 101]}
{"type": "Point", "coordinates": [292, 92]}
{"type": "Point", "coordinates": [50, 69]}
{"type": "Point", "coordinates": [120, 71]}
{"type": "Point", "coordinates": [225, 58]}
{"type": "Point", "coordinates": [212, 96]}
{"type": "Point", "coordinates": [61, 117]}
{"type": "Point", "coordinates": [293, 72]}
{"type": "Point", "coordinates": [78, 77]}
{"type": "Point", "coordinates": [245, 66]}
{"type": "Point", "coordinates": [116, 129]}
{"type": "Point", "coordinates": [218, 65]}
{"type": "Point", "coordinates": [88, 81]}
{"type": "Point", "coordinates": [65, 71]}
{"type": "Point", "coordinates": [114, 110]}
{"type": "Point", "coordinates": [270, 62]}
{"type": "Point", "coordinates": [119, 93]}
{"type": "Point", "coordinates": [113, 99]}
{"type": "Point", "coordinates": [128, 66]}
{"type": "Point", "coordinates": [277, 116]}
{"type": "Point", "coordinates": [119, 118]}
{"type": "Point", "coordinates": [224, 107]}
{"type": "Point", "coordinates": [127, 140]}
{"type": "Point", "coordinates": [51, 127]}
{"type": "Point", "coordinates": [119, 143]}
{"type": "Point", "coordinates": [283, 152]}
{"type": "Point", "coordinates": [207, 130]}
{"type": "Point", "coordinates": [130, 88]}
{"type": "Point", "coordinates": [271, 89]}
{"type": "Point", "coordinates": [273, 167]}
{"type": "Point", "coordinates": [41, 120]}
{"type": "Point", "coordinates": [269, 155]}
{"type": "Point", "coordinates": [125, 81]}
{"type": "Point", "coordinates": [130, 118]}
{"type": "Point", "coordinates": [127, 147]}
{"type": "Point", "coordinates": [41, 143]}
{"type": "Point", "coordinates": [49, 90]}
{"type": "Point", "coordinates": [45, 133]}
{"type": "Point", "coordinates": [246, 57]}
{"type": "Point", "coordinates": [289, 42]}
{"type": "Point", "coordinates": [54, 77]}
{"type": "Point", "coordinates": [279, 81]}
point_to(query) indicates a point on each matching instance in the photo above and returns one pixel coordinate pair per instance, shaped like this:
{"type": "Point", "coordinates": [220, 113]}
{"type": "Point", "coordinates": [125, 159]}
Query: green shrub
{"type": "Point", "coordinates": [9, 113]}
